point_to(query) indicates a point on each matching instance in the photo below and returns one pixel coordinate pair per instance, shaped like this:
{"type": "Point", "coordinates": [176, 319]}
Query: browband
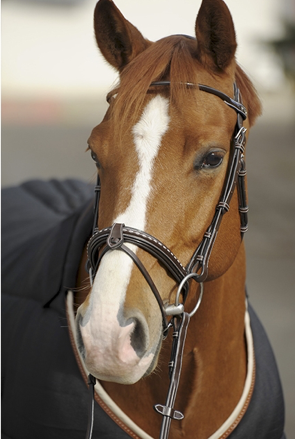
{"type": "Point", "coordinates": [237, 106]}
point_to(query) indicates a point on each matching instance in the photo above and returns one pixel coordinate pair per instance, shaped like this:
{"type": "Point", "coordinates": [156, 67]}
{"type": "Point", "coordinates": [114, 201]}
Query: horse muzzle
{"type": "Point", "coordinates": [115, 349]}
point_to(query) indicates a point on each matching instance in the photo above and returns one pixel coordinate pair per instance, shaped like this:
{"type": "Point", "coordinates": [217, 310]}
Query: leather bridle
{"type": "Point", "coordinates": [118, 235]}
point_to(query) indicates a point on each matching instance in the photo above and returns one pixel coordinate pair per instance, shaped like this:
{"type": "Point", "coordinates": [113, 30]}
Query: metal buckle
{"type": "Point", "coordinates": [177, 308]}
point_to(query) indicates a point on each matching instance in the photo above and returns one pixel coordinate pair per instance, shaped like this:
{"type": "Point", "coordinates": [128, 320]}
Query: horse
{"type": "Point", "coordinates": [160, 322]}
{"type": "Point", "coordinates": [163, 153]}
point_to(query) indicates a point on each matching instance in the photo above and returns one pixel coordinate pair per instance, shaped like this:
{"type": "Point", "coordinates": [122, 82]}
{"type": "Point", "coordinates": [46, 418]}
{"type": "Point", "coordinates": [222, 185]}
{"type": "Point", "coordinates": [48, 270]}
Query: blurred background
{"type": "Point", "coordinates": [54, 83]}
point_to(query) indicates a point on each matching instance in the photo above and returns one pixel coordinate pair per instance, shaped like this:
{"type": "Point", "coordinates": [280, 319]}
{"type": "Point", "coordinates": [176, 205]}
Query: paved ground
{"type": "Point", "coordinates": [55, 148]}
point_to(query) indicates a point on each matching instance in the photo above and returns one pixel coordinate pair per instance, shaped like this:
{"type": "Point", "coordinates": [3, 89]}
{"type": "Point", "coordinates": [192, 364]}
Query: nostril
{"type": "Point", "coordinates": [79, 338]}
{"type": "Point", "coordinates": [138, 338]}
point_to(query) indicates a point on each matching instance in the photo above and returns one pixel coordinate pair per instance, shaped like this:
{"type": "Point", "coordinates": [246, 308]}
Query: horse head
{"type": "Point", "coordinates": [162, 153]}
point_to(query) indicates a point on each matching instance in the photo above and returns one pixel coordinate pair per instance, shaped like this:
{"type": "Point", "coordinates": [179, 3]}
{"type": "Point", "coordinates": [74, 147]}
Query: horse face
{"type": "Point", "coordinates": [162, 162]}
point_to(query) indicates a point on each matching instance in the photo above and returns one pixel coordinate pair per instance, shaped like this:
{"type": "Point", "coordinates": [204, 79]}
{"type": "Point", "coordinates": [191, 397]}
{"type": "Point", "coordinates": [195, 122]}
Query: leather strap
{"type": "Point", "coordinates": [233, 103]}
{"type": "Point", "coordinates": [91, 383]}
{"type": "Point", "coordinates": [200, 259]}
{"type": "Point", "coordinates": [167, 411]}
{"type": "Point", "coordinates": [149, 280]}
{"type": "Point", "coordinates": [141, 239]}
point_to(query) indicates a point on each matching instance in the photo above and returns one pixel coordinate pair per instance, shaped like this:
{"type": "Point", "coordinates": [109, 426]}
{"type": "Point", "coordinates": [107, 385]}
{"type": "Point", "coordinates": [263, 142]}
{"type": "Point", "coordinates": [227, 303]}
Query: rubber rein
{"type": "Point", "coordinates": [116, 236]}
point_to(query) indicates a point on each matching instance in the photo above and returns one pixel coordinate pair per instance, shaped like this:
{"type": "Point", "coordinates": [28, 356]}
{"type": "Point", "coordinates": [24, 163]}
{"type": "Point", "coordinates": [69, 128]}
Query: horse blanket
{"type": "Point", "coordinates": [45, 226]}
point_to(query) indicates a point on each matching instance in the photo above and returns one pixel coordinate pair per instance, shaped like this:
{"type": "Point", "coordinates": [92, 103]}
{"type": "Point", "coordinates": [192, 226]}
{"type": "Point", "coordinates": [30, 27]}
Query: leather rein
{"type": "Point", "coordinates": [116, 237]}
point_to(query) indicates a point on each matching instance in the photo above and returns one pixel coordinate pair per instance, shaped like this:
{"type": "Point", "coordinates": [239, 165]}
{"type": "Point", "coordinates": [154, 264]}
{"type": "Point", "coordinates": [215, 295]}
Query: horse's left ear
{"type": "Point", "coordinates": [118, 40]}
{"type": "Point", "coordinates": [215, 34]}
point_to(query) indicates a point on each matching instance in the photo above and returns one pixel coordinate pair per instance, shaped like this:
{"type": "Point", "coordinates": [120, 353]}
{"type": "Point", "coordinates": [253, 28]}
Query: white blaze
{"type": "Point", "coordinates": [147, 133]}
{"type": "Point", "coordinates": [113, 276]}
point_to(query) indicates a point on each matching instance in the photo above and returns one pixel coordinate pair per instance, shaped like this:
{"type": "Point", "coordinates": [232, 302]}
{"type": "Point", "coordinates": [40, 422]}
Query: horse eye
{"type": "Point", "coordinates": [94, 158]}
{"type": "Point", "coordinates": [212, 160]}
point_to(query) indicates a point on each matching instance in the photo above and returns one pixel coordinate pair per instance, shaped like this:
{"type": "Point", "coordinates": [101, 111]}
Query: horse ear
{"type": "Point", "coordinates": [215, 34]}
{"type": "Point", "coordinates": [118, 40]}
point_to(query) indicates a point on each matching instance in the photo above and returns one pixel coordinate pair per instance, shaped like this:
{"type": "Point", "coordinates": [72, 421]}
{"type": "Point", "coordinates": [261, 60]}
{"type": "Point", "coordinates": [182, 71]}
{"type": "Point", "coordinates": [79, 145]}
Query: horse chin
{"type": "Point", "coordinates": [119, 372]}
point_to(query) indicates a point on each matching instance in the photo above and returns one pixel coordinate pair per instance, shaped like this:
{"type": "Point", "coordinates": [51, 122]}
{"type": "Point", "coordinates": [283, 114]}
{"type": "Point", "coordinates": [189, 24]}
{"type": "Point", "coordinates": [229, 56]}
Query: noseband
{"type": "Point", "coordinates": [118, 235]}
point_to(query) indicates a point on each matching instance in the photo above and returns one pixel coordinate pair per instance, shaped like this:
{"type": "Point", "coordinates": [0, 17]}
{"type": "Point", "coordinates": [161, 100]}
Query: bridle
{"type": "Point", "coordinates": [118, 235]}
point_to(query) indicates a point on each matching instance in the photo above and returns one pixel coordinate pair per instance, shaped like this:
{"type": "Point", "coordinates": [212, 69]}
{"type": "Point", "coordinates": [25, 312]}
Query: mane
{"type": "Point", "coordinates": [171, 58]}
{"type": "Point", "coordinates": [249, 95]}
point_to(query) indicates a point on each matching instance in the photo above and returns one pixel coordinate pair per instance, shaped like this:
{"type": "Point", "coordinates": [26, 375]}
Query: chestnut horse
{"type": "Point", "coordinates": [164, 152]}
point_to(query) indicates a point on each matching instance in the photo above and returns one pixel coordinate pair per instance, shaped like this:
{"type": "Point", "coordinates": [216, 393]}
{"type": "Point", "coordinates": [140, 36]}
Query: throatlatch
{"type": "Point", "coordinates": [114, 238]}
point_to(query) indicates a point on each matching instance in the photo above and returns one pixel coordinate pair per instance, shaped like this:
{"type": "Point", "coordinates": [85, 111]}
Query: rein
{"type": "Point", "coordinates": [115, 237]}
